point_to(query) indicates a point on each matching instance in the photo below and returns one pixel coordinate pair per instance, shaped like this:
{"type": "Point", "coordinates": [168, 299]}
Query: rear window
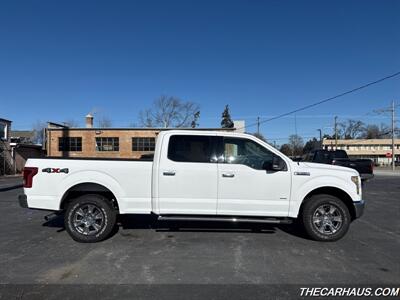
{"type": "Point", "coordinates": [339, 154]}
{"type": "Point", "coordinates": [190, 148]}
{"type": "Point", "coordinates": [323, 157]}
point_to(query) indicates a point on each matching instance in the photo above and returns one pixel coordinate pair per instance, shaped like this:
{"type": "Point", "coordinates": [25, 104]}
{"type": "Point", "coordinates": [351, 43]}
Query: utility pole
{"type": "Point", "coordinates": [336, 132]}
{"type": "Point", "coordinates": [258, 126]}
{"type": "Point", "coordinates": [393, 114]}
{"type": "Point", "coordinates": [320, 137]}
{"type": "Point", "coordinates": [393, 122]}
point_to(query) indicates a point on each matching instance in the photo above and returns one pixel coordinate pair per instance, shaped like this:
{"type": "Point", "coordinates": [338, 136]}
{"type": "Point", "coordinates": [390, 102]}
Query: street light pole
{"type": "Point", "coordinates": [391, 110]}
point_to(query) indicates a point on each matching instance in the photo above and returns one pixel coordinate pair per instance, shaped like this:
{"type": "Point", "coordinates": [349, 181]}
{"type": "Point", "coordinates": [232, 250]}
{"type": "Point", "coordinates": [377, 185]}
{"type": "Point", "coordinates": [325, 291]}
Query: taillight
{"type": "Point", "coordinates": [29, 172]}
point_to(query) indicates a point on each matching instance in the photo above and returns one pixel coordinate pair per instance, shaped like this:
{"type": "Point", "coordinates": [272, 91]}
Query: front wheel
{"type": "Point", "coordinates": [325, 218]}
{"type": "Point", "coordinates": [90, 218]}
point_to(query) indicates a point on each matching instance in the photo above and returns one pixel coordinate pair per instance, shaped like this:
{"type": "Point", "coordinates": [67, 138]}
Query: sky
{"type": "Point", "coordinates": [60, 60]}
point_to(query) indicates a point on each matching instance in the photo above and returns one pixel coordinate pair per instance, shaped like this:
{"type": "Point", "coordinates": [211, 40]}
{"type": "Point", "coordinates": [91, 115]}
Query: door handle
{"type": "Point", "coordinates": [228, 175]}
{"type": "Point", "coordinates": [169, 173]}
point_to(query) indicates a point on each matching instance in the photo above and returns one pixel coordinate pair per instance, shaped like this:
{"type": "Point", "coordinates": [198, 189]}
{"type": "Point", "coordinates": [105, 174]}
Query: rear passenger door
{"type": "Point", "coordinates": [187, 182]}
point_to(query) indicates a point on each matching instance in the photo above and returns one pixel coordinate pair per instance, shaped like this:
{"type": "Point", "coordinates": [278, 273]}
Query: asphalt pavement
{"type": "Point", "coordinates": [144, 251]}
{"type": "Point", "coordinates": [10, 182]}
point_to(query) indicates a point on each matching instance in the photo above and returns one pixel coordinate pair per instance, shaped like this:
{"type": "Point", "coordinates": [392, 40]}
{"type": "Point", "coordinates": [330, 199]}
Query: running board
{"type": "Point", "coordinates": [226, 219]}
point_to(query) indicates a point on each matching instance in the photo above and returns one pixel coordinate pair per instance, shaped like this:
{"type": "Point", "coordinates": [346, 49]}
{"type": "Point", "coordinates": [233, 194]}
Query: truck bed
{"type": "Point", "coordinates": [128, 179]}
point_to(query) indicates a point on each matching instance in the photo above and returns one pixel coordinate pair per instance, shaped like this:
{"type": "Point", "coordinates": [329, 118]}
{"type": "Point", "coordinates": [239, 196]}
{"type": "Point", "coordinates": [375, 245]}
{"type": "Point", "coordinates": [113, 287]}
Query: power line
{"type": "Point", "coordinates": [325, 100]}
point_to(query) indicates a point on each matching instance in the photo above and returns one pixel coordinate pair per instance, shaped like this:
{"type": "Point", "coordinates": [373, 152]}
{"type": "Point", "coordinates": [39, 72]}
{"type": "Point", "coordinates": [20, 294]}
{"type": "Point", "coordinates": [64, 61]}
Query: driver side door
{"type": "Point", "coordinates": [244, 186]}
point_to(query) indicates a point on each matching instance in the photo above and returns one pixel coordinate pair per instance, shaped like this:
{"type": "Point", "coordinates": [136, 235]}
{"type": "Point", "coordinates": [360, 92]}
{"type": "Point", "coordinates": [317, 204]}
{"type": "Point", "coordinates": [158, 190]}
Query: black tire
{"type": "Point", "coordinates": [90, 218]}
{"type": "Point", "coordinates": [325, 218]}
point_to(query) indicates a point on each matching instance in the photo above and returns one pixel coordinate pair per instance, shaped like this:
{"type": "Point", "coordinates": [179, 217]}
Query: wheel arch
{"type": "Point", "coordinates": [333, 191]}
{"type": "Point", "coordinates": [88, 188]}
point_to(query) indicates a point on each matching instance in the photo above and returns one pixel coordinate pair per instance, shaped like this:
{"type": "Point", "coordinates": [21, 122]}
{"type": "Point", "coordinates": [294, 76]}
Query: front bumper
{"type": "Point", "coordinates": [359, 208]}
{"type": "Point", "coordinates": [23, 201]}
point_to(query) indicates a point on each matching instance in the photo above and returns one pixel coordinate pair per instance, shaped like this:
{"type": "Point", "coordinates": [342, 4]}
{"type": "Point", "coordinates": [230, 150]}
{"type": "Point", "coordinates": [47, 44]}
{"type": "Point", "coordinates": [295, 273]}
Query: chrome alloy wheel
{"type": "Point", "coordinates": [327, 219]}
{"type": "Point", "coordinates": [88, 219]}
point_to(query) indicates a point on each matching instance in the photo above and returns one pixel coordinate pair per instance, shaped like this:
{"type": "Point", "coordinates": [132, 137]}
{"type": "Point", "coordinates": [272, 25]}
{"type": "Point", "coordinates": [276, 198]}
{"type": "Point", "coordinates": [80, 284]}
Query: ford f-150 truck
{"type": "Point", "coordinates": [196, 175]}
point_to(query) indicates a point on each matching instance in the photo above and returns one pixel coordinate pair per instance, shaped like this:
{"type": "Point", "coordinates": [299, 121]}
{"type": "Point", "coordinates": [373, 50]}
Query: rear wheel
{"type": "Point", "coordinates": [325, 218]}
{"type": "Point", "coordinates": [90, 218]}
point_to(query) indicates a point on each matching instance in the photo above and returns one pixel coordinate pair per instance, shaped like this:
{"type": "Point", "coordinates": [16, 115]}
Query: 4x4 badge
{"type": "Point", "coordinates": [55, 170]}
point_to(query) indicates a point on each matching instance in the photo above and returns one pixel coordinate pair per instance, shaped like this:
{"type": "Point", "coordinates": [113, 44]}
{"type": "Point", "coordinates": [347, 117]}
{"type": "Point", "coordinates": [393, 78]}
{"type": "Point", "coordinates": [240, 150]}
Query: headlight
{"type": "Point", "coordinates": [356, 181]}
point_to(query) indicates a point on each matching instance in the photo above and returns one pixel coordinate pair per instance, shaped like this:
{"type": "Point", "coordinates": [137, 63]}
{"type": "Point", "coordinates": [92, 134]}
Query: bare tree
{"type": "Point", "coordinates": [385, 132]}
{"type": "Point", "coordinates": [296, 144]}
{"type": "Point", "coordinates": [169, 111]}
{"type": "Point", "coordinates": [311, 145]}
{"type": "Point", "coordinates": [286, 149]}
{"type": "Point", "coordinates": [351, 129]}
{"type": "Point", "coordinates": [373, 131]}
{"type": "Point", "coordinates": [38, 132]}
{"type": "Point", "coordinates": [104, 122]}
{"type": "Point", "coordinates": [196, 117]}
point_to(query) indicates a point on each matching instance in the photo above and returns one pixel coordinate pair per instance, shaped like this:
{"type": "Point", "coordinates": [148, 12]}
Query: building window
{"type": "Point", "coordinates": [143, 144]}
{"type": "Point", "coordinates": [107, 144]}
{"type": "Point", "coordinates": [3, 131]}
{"type": "Point", "coordinates": [69, 144]}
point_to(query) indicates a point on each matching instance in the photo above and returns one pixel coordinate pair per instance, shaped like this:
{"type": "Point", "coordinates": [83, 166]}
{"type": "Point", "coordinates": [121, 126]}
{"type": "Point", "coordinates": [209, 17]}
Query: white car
{"type": "Point", "coordinates": [196, 175]}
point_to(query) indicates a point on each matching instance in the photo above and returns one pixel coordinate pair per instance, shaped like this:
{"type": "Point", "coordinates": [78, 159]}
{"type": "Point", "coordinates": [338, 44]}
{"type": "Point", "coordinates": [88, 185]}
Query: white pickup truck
{"type": "Point", "coordinates": [196, 175]}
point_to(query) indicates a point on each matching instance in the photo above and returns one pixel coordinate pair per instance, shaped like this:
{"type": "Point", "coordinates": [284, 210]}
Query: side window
{"type": "Point", "coordinates": [190, 148]}
{"type": "Point", "coordinates": [246, 152]}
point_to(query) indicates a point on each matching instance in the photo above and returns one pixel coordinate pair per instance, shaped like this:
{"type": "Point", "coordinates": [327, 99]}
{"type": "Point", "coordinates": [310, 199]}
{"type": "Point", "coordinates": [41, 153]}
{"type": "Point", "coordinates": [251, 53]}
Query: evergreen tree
{"type": "Point", "coordinates": [226, 121]}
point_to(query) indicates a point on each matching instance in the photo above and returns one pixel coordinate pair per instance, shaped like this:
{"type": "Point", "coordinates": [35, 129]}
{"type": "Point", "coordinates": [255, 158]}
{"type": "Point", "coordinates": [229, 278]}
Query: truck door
{"type": "Point", "coordinates": [245, 187]}
{"type": "Point", "coordinates": [187, 182]}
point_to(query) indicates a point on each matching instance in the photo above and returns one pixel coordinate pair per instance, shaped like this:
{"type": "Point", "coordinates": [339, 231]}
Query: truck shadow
{"type": "Point", "coordinates": [126, 222]}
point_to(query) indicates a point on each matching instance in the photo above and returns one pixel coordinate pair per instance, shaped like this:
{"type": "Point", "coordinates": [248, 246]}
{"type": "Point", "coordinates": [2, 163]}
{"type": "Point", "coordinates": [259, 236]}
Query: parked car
{"type": "Point", "coordinates": [340, 158]}
{"type": "Point", "coordinates": [196, 175]}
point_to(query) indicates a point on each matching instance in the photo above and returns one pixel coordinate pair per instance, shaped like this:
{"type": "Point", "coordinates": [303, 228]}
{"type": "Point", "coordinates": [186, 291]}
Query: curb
{"type": "Point", "coordinates": [387, 173]}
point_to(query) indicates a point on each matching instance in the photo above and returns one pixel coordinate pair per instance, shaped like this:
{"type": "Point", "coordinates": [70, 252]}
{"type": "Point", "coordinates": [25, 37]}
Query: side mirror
{"type": "Point", "coordinates": [277, 164]}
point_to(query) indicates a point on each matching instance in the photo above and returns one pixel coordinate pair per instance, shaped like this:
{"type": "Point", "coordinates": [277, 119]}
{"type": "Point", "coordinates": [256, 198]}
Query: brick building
{"type": "Point", "coordinates": [62, 141]}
